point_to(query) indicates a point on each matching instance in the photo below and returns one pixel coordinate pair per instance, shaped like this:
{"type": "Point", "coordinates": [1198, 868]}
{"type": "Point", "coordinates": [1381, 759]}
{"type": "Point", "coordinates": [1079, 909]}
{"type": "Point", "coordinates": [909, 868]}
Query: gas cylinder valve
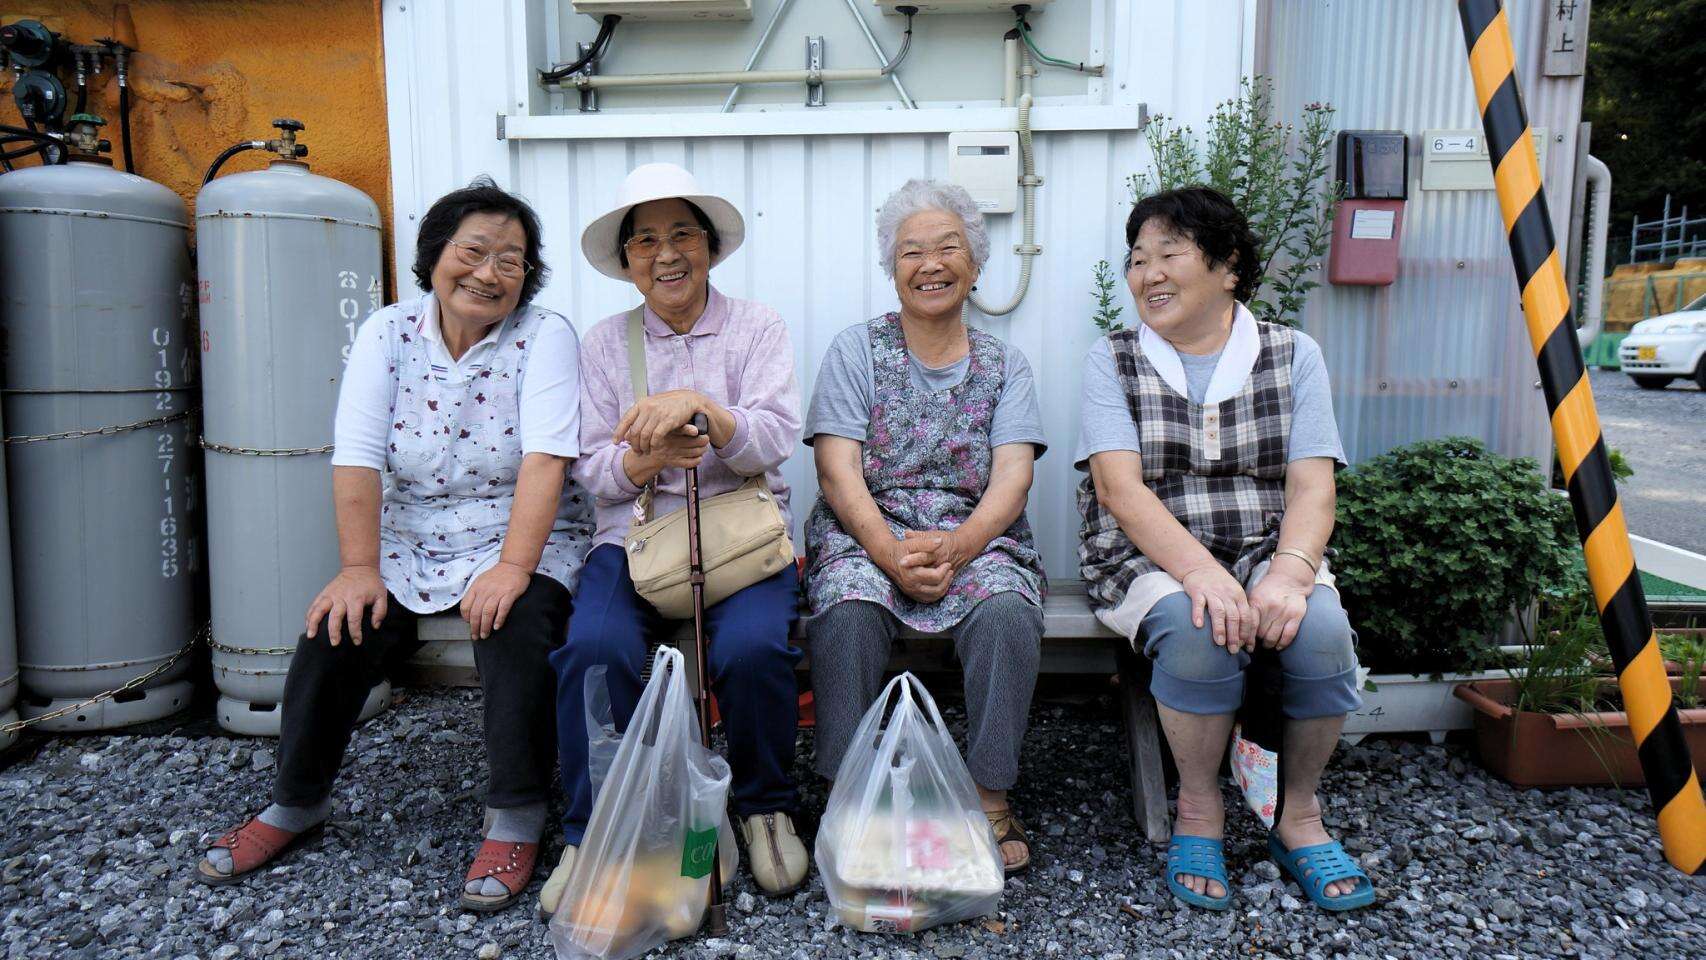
{"type": "Point", "coordinates": [83, 134]}
{"type": "Point", "coordinates": [285, 145]}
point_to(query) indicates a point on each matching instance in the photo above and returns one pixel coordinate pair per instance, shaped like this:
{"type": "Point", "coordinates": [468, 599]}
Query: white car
{"type": "Point", "coordinates": [1660, 349]}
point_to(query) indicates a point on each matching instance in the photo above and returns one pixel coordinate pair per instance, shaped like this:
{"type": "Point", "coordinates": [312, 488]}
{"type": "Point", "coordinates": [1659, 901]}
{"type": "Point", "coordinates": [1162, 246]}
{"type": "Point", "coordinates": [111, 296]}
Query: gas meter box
{"type": "Point", "coordinates": [1373, 174]}
{"type": "Point", "coordinates": [987, 165]}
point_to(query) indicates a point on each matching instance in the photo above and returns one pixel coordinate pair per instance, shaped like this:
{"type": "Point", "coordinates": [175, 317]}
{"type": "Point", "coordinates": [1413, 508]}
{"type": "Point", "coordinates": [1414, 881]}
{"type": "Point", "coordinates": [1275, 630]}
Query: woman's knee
{"type": "Point", "coordinates": [1006, 626]}
{"type": "Point", "coordinates": [1192, 674]}
{"type": "Point", "coordinates": [1321, 664]}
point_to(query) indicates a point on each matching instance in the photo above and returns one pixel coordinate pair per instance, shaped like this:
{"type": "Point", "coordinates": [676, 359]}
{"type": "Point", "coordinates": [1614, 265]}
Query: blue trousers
{"type": "Point", "coordinates": [749, 656]}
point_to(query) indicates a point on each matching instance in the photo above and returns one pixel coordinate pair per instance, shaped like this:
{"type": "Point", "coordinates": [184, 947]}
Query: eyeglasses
{"type": "Point", "coordinates": [475, 255]}
{"type": "Point", "coordinates": [645, 246]}
{"type": "Point", "coordinates": [913, 258]}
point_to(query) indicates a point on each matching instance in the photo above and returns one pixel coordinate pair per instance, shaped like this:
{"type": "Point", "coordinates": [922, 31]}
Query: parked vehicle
{"type": "Point", "coordinates": [1663, 348]}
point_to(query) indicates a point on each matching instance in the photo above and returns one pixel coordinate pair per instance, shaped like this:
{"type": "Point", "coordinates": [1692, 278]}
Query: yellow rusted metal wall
{"type": "Point", "coordinates": [209, 73]}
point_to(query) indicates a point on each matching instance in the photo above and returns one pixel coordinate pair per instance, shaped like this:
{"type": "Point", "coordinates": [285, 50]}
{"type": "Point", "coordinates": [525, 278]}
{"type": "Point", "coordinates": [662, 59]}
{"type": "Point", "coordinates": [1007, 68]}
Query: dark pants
{"type": "Point", "coordinates": [749, 656]}
{"type": "Point", "coordinates": [327, 685]}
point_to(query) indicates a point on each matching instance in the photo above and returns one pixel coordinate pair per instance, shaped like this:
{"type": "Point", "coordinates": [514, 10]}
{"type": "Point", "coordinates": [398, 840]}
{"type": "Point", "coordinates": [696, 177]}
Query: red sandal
{"type": "Point", "coordinates": [253, 844]}
{"type": "Point", "coordinates": [511, 864]}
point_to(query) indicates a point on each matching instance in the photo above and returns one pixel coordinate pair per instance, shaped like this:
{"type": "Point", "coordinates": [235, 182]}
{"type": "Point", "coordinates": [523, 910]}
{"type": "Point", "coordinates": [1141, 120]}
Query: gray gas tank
{"type": "Point", "coordinates": [8, 622]}
{"type": "Point", "coordinates": [288, 268]}
{"type": "Point", "coordinates": [100, 440]}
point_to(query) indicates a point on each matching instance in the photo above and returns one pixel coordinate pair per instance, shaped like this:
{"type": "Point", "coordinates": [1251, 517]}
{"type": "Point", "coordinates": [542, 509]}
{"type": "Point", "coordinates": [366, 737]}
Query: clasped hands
{"type": "Point", "coordinates": [1270, 612]}
{"type": "Point", "coordinates": [659, 430]}
{"type": "Point", "coordinates": [923, 563]}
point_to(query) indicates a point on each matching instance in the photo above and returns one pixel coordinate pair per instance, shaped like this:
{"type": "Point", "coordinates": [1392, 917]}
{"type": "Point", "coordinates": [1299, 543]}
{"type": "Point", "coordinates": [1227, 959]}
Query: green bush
{"type": "Point", "coordinates": [1438, 544]}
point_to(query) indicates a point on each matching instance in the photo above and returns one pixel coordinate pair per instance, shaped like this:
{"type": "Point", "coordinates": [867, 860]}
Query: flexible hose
{"type": "Point", "coordinates": [1025, 34]}
{"type": "Point", "coordinates": [606, 28]}
{"type": "Point", "coordinates": [124, 124]}
{"type": "Point", "coordinates": [229, 152]}
{"type": "Point", "coordinates": [1027, 245]}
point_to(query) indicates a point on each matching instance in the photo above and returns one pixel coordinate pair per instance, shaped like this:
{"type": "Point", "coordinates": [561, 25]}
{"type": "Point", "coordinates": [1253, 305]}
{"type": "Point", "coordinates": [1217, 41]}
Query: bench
{"type": "Point", "coordinates": [1075, 643]}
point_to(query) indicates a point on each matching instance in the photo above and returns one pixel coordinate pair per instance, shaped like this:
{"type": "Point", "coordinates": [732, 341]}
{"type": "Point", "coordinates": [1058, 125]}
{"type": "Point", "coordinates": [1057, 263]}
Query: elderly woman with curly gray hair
{"type": "Point", "coordinates": [925, 434]}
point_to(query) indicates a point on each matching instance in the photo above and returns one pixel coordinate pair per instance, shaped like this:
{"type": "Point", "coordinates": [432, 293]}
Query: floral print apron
{"type": "Point", "coordinates": [927, 464]}
{"type": "Point", "coordinates": [451, 462]}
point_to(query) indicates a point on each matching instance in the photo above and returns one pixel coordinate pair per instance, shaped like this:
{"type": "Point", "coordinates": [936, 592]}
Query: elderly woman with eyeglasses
{"type": "Point", "coordinates": [730, 360]}
{"type": "Point", "coordinates": [925, 433]}
{"type": "Point", "coordinates": [457, 418]}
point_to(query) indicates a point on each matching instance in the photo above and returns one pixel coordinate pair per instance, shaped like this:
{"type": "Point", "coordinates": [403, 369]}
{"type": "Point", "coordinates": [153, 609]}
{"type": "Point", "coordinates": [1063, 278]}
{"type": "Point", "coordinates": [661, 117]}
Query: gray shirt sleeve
{"type": "Point", "coordinates": [1104, 421]}
{"type": "Point", "coordinates": [1314, 431]}
{"type": "Point", "coordinates": [1018, 418]}
{"type": "Point", "coordinates": [844, 391]}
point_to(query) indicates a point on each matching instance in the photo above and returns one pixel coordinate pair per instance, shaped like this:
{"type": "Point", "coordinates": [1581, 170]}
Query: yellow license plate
{"type": "Point", "coordinates": [1646, 353]}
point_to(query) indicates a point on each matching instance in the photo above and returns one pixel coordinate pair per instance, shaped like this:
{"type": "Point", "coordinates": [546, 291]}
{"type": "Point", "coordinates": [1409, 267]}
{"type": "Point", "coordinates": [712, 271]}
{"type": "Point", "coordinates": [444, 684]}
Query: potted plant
{"type": "Point", "coordinates": [1560, 722]}
{"type": "Point", "coordinates": [1437, 546]}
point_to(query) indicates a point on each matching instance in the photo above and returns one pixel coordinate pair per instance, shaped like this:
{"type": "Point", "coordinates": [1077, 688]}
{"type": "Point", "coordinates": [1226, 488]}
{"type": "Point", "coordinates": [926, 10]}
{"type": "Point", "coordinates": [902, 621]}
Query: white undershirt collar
{"type": "Point", "coordinates": [1236, 361]}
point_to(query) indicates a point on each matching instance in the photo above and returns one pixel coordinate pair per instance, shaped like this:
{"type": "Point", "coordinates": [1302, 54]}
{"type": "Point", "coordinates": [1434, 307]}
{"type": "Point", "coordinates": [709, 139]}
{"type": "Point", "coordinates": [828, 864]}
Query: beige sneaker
{"type": "Point", "coordinates": [552, 893]}
{"type": "Point", "coordinates": [774, 850]}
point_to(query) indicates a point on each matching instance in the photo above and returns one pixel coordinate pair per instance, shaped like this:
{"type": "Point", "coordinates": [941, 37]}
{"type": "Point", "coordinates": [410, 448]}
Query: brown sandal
{"type": "Point", "coordinates": [253, 844]}
{"type": "Point", "coordinates": [511, 864]}
{"type": "Point", "coordinates": [1008, 829]}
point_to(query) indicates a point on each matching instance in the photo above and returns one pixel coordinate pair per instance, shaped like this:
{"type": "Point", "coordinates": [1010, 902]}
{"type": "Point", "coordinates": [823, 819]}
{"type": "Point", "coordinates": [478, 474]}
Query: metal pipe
{"type": "Point", "coordinates": [1599, 181]}
{"type": "Point", "coordinates": [718, 79]}
{"type": "Point", "coordinates": [758, 49]}
{"type": "Point", "coordinates": [899, 88]}
{"type": "Point", "coordinates": [1010, 72]}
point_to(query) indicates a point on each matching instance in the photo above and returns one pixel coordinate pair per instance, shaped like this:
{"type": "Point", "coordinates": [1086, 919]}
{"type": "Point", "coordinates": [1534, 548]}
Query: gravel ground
{"type": "Point", "coordinates": [1663, 434]}
{"type": "Point", "coordinates": [105, 830]}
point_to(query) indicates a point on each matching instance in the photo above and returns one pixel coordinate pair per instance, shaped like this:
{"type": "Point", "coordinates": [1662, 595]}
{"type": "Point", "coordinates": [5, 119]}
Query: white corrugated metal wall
{"type": "Point", "coordinates": [453, 67]}
{"type": "Point", "coordinates": [809, 201]}
{"type": "Point", "coordinates": [1444, 350]}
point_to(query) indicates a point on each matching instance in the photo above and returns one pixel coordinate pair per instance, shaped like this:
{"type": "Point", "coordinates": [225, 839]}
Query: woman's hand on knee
{"type": "Point", "coordinates": [1280, 603]}
{"type": "Point", "coordinates": [489, 598]}
{"type": "Point", "coordinates": [1218, 601]}
{"type": "Point", "coordinates": [343, 602]}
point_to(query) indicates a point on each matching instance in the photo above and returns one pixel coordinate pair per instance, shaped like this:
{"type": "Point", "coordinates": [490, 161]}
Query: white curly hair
{"type": "Point", "coordinates": [918, 195]}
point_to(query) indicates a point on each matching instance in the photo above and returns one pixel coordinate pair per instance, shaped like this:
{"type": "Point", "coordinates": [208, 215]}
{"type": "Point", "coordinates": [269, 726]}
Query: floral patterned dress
{"type": "Point", "coordinates": [452, 460]}
{"type": "Point", "coordinates": [927, 464]}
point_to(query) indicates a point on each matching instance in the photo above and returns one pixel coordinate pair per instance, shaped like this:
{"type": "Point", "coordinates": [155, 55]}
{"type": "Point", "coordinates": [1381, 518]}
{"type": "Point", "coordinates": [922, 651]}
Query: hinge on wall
{"type": "Point", "coordinates": [814, 63]}
{"type": "Point", "coordinates": [500, 126]}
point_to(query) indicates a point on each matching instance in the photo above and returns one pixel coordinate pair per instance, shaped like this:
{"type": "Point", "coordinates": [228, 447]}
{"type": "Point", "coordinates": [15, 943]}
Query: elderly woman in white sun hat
{"type": "Point", "coordinates": [705, 353]}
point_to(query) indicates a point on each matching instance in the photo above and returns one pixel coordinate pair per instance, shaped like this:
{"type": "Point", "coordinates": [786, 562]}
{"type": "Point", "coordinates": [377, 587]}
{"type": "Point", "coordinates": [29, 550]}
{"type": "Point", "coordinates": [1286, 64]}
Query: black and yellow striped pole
{"type": "Point", "coordinates": [1671, 780]}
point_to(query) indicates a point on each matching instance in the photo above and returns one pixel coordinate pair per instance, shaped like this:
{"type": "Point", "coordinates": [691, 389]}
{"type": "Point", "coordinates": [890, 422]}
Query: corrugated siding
{"type": "Point", "coordinates": [810, 202]}
{"type": "Point", "coordinates": [1394, 353]}
{"type": "Point", "coordinates": [1444, 350]}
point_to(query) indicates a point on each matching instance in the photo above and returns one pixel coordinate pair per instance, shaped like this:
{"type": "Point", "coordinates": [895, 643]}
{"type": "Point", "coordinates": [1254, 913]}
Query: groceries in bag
{"type": "Point", "coordinates": [642, 875]}
{"type": "Point", "coordinates": [904, 844]}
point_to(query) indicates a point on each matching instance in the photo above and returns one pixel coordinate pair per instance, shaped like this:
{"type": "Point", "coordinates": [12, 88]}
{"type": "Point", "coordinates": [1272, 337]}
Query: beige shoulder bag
{"type": "Point", "coordinates": [743, 537]}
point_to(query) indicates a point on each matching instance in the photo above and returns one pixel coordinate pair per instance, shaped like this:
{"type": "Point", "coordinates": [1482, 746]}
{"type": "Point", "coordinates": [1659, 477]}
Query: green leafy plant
{"type": "Point", "coordinates": [1689, 653]}
{"type": "Point", "coordinates": [1438, 543]}
{"type": "Point", "coordinates": [1620, 468]}
{"type": "Point", "coordinates": [1275, 171]}
{"type": "Point", "coordinates": [1107, 315]}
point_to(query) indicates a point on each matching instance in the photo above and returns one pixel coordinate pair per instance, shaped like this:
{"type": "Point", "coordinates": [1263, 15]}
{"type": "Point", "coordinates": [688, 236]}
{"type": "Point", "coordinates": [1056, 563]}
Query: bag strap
{"type": "Point", "coordinates": [637, 376]}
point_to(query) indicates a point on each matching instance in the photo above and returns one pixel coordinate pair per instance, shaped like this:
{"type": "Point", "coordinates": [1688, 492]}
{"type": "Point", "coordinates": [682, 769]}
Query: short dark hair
{"type": "Point", "coordinates": [625, 232]}
{"type": "Point", "coordinates": [1213, 223]}
{"type": "Point", "coordinates": [480, 196]}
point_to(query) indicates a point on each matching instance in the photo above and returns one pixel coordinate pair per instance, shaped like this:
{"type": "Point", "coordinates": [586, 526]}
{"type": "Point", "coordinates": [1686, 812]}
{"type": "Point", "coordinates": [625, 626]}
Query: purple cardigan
{"type": "Point", "coordinates": [738, 354]}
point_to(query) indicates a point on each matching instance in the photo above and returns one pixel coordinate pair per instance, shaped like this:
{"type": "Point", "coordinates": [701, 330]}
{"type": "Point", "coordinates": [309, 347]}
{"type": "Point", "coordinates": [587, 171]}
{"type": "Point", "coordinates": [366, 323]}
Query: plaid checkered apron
{"type": "Point", "coordinates": [1218, 468]}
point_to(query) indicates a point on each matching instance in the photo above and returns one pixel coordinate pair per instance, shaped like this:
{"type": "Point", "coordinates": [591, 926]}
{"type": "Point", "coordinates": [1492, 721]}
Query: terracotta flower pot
{"type": "Point", "coordinates": [1563, 750]}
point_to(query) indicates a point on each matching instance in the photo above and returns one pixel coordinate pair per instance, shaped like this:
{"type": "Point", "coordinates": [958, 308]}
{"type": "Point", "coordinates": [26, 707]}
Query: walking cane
{"type": "Point", "coordinates": [696, 576]}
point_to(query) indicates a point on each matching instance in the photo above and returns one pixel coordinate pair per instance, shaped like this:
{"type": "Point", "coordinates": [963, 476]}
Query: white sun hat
{"type": "Point", "coordinates": [658, 181]}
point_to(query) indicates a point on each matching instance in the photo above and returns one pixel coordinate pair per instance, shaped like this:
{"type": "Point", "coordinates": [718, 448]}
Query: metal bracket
{"type": "Point", "coordinates": [500, 126]}
{"type": "Point", "coordinates": [589, 97]}
{"type": "Point", "coordinates": [814, 63]}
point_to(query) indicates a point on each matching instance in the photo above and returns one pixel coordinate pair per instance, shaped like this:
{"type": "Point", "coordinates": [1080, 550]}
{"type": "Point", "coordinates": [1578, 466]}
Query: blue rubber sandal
{"type": "Point", "coordinates": [1314, 867]}
{"type": "Point", "coordinates": [1199, 857]}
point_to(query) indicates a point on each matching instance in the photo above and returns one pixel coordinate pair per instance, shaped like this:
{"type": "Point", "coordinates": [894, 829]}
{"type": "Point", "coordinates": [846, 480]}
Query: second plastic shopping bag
{"type": "Point", "coordinates": [642, 874]}
{"type": "Point", "coordinates": [904, 844]}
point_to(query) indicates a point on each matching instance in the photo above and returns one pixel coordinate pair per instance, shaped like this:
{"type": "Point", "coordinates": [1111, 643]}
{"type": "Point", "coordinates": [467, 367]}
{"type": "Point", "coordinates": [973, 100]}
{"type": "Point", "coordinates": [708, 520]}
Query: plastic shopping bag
{"type": "Point", "coordinates": [643, 872]}
{"type": "Point", "coordinates": [1257, 763]}
{"type": "Point", "coordinates": [904, 844]}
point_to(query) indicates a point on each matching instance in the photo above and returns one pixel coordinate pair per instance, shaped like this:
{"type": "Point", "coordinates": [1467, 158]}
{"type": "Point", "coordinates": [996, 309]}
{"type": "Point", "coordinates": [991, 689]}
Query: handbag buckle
{"type": "Point", "coordinates": [636, 546]}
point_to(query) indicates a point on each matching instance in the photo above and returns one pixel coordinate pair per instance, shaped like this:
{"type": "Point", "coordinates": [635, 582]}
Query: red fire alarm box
{"type": "Point", "coordinates": [1374, 173]}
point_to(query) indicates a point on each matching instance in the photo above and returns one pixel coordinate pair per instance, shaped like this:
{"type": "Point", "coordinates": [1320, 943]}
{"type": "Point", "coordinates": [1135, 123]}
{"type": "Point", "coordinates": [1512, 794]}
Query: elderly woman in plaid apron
{"type": "Point", "coordinates": [925, 432]}
{"type": "Point", "coordinates": [1211, 446]}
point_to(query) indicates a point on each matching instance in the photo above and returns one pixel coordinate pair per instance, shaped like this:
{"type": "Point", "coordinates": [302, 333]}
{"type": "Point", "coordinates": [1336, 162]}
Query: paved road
{"type": "Point", "coordinates": [1663, 435]}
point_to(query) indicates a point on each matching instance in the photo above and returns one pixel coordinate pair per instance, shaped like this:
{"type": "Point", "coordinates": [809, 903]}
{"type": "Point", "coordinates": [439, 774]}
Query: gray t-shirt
{"type": "Point", "coordinates": [1106, 422]}
{"type": "Point", "coordinates": [846, 389]}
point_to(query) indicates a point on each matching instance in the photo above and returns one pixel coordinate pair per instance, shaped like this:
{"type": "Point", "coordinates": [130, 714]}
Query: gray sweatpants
{"type": "Point", "coordinates": [999, 646]}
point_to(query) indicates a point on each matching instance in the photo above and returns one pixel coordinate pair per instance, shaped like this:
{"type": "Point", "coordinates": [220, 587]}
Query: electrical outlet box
{"type": "Point", "coordinates": [667, 9]}
{"type": "Point", "coordinates": [987, 165]}
{"type": "Point", "coordinates": [1457, 159]}
{"type": "Point", "coordinates": [959, 6]}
